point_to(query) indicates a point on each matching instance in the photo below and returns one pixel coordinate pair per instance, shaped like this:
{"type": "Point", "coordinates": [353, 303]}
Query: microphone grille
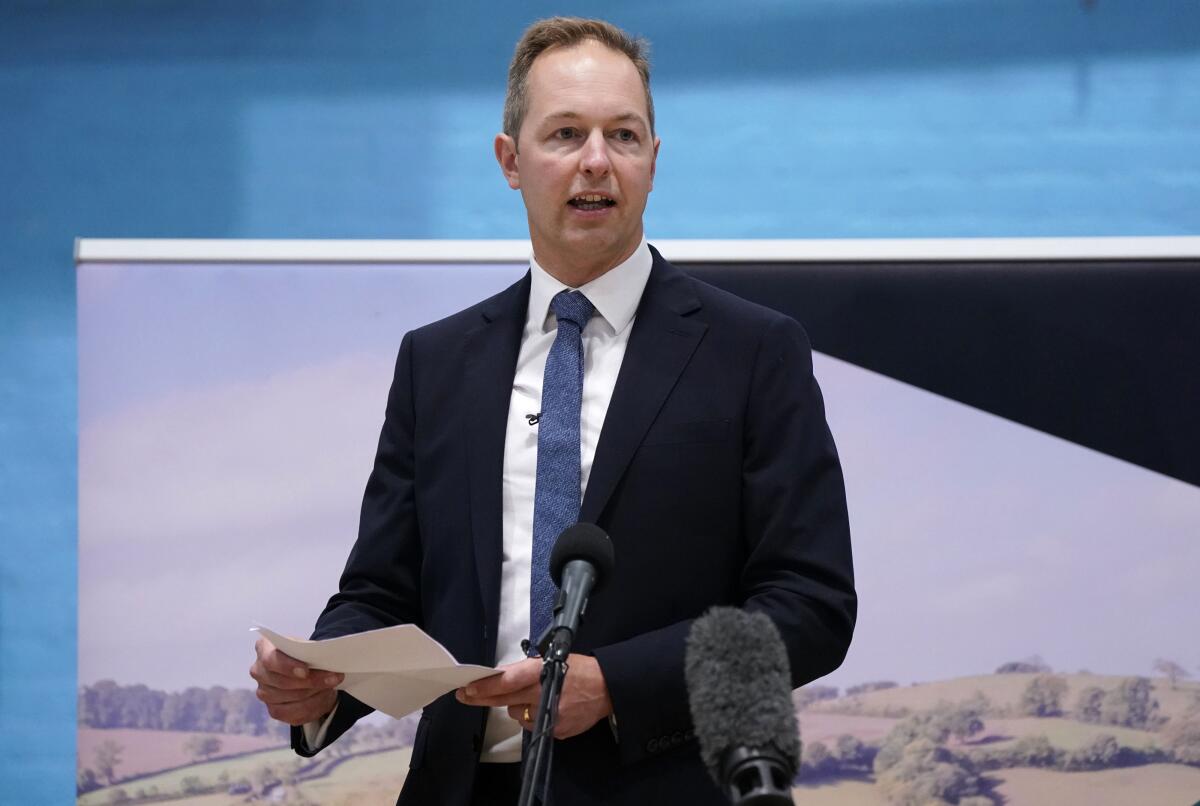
{"type": "Point", "coordinates": [582, 541]}
{"type": "Point", "coordinates": [739, 686]}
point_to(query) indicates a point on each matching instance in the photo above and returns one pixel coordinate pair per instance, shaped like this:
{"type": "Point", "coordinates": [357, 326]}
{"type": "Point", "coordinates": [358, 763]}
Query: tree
{"type": "Point", "coordinates": [850, 752]}
{"type": "Point", "coordinates": [1089, 705]}
{"type": "Point", "coordinates": [244, 713]}
{"type": "Point", "coordinates": [107, 757]}
{"type": "Point", "coordinates": [817, 760]}
{"type": "Point", "coordinates": [962, 720]}
{"type": "Point", "coordinates": [192, 785]}
{"type": "Point", "coordinates": [86, 780]}
{"type": "Point", "coordinates": [139, 707]}
{"type": "Point", "coordinates": [204, 747]}
{"type": "Point", "coordinates": [1182, 735]}
{"type": "Point", "coordinates": [1043, 696]}
{"type": "Point", "coordinates": [807, 695]}
{"type": "Point", "coordinates": [99, 706]}
{"type": "Point", "coordinates": [1034, 751]}
{"type": "Point", "coordinates": [904, 733]}
{"type": "Point", "coordinates": [210, 709]}
{"type": "Point", "coordinates": [874, 685]}
{"type": "Point", "coordinates": [1102, 753]}
{"type": "Point", "coordinates": [928, 774]}
{"type": "Point", "coordinates": [1130, 704]}
{"type": "Point", "coordinates": [1174, 672]}
{"type": "Point", "coordinates": [173, 715]}
{"type": "Point", "coordinates": [190, 710]}
{"type": "Point", "coordinates": [1031, 665]}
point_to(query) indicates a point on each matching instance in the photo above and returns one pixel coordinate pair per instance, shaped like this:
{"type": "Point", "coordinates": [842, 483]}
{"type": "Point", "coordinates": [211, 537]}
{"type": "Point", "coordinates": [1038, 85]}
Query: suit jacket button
{"type": "Point", "coordinates": [652, 746]}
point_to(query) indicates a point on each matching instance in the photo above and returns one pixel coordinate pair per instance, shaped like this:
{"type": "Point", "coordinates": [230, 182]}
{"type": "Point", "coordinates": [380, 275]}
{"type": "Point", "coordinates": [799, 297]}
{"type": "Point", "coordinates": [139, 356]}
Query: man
{"type": "Point", "coordinates": [696, 438]}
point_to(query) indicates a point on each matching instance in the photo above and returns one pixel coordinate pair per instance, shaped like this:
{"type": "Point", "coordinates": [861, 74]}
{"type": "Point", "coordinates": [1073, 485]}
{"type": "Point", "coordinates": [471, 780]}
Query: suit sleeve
{"type": "Point", "coordinates": [379, 585]}
{"type": "Point", "coordinates": [795, 531]}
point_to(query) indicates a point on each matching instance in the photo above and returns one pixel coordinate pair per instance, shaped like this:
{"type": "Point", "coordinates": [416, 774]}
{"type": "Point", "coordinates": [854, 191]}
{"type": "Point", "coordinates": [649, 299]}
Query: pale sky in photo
{"type": "Point", "coordinates": [228, 418]}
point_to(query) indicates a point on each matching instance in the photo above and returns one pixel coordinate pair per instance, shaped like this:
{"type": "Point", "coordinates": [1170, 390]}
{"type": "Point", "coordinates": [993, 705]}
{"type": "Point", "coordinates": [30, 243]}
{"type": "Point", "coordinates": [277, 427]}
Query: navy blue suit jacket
{"type": "Point", "coordinates": [715, 476]}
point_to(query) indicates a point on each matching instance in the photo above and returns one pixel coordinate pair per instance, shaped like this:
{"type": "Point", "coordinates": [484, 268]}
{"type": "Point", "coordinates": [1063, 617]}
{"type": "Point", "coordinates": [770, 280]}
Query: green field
{"type": "Point", "coordinates": [375, 778]}
{"type": "Point", "coordinates": [1173, 784]}
{"type": "Point", "coordinates": [1155, 785]}
{"type": "Point", "coordinates": [239, 767]}
{"type": "Point", "coordinates": [367, 779]}
{"type": "Point", "coordinates": [1066, 734]}
{"type": "Point", "coordinates": [839, 793]}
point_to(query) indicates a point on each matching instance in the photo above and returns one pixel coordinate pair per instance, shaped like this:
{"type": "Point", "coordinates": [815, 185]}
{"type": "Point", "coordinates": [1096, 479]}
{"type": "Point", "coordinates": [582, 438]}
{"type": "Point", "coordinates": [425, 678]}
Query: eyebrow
{"type": "Point", "coordinates": [624, 117]}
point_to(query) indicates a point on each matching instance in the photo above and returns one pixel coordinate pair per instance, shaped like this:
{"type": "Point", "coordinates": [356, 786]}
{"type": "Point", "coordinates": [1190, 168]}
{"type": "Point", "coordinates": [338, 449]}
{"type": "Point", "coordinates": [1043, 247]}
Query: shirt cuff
{"type": "Point", "coordinates": [314, 732]}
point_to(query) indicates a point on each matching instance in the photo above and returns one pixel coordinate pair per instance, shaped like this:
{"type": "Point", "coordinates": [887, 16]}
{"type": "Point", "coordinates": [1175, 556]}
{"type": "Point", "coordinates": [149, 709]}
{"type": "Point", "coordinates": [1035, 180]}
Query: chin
{"type": "Point", "coordinates": [601, 240]}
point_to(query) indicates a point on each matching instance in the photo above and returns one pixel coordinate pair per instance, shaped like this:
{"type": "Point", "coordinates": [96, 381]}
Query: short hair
{"type": "Point", "coordinates": [565, 32]}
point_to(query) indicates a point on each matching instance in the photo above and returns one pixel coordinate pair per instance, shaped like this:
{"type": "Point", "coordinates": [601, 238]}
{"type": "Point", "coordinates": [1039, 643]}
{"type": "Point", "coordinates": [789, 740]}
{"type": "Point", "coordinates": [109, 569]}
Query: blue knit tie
{"type": "Point", "coordinates": [556, 496]}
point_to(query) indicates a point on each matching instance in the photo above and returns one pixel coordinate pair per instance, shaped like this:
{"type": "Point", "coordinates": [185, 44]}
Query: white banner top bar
{"type": "Point", "coordinates": [127, 250]}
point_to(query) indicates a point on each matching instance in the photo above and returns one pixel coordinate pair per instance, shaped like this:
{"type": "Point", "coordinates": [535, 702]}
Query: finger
{"type": "Point", "coordinates": [281, 696]}
{"type": "Point", "coordinates": [280, 662]}
{"type": "Point", "coordinates": [304, 711]}
{"type": "Point", "coordinates": [316, 681]}
{"type": "Point", "coordinates": [518, 712]}
{"type": "Point", "coordinates": [513, 677]}
{"type": "Point", "coordinates": [518, 697]}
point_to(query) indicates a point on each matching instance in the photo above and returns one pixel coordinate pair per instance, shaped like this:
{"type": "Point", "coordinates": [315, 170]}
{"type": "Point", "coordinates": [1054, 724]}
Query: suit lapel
{"type": "Point", "coordinates": [660, 346]}
{"type": "Point", "coordinates": [491, 360]}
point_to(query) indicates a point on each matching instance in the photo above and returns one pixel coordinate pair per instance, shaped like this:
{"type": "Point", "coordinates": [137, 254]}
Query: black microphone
{"type": "Point", "coordinates": [582, 558]}
{"type": "Point", "coordinates": [740, 695]}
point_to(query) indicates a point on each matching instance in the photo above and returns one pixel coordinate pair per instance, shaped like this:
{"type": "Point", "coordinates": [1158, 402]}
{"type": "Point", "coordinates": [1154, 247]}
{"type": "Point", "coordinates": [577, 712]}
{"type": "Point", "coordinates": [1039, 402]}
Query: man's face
{"type": "Point", "coordinates": [586, 159]}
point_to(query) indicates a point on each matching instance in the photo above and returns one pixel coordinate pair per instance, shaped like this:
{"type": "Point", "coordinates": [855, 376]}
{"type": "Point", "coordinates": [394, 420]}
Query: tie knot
{"type": "Point", "coordinates": [573, 307]}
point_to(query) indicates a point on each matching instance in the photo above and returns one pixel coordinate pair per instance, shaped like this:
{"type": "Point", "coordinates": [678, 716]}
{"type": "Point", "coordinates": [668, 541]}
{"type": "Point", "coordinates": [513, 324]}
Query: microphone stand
{"type": "Point", "coordinates": [554, 646]}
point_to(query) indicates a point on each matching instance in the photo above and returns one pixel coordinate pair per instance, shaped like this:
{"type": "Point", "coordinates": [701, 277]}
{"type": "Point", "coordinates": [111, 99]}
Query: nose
{"type": "Point", "coordinates": [594, 161]}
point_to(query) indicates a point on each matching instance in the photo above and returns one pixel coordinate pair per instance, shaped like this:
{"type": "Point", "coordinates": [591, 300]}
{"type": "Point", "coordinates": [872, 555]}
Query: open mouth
{"type": "Point", "coordinates": [591, 201]}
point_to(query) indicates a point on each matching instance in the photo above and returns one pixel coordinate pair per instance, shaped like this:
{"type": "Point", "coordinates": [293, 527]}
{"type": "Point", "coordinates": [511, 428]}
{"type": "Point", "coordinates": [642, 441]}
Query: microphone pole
{"type": "Point", "coordinates": [581, 559]}
{"type": "Point", "coordinates": [536, 772]}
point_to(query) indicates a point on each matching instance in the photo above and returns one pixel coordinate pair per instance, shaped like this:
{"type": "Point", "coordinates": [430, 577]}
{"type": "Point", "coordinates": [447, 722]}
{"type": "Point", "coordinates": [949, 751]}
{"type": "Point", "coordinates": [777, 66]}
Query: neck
{"type": "Point", "coordinates": [575, 271]}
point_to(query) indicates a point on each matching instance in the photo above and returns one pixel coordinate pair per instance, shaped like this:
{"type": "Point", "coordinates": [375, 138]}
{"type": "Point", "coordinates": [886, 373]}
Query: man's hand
{"type": "Point", "coordinates": [583, 703]}
{"type": "Point", "coordinates": [293, 692]}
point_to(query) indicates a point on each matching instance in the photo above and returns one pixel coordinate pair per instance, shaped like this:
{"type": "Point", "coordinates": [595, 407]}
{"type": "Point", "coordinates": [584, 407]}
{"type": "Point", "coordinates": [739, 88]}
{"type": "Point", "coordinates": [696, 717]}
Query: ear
{"type": "Point", "coordinates": [654, 161]}
{"type": "Point", "coordinates": [506, 155]}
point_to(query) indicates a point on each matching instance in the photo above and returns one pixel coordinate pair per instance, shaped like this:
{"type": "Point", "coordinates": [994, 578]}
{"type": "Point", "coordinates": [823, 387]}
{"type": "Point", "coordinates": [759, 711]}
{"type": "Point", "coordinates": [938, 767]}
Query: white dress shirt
{"type": "Point", "coordinates": [615, 296]}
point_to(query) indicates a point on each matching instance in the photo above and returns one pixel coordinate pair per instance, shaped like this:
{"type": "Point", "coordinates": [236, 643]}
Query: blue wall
{"type": "Point", "coordinates": [854, 118]}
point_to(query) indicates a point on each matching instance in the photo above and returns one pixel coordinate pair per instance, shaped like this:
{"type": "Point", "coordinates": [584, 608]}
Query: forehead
{"type": "Point", "coordinates": [585, 79]}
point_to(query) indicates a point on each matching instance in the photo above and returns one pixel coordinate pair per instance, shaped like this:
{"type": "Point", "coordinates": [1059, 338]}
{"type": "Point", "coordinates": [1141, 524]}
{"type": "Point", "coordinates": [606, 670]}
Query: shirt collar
{"type": "Point", "coordinates": [614, 294]}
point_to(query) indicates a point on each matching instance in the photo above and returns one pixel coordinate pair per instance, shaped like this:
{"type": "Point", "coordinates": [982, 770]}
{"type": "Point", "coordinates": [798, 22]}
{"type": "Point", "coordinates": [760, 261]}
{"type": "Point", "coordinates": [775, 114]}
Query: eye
{"type": "Point", "coordinates": [626, 135]}
{"type": "Point", "coordinates": [565, 133]}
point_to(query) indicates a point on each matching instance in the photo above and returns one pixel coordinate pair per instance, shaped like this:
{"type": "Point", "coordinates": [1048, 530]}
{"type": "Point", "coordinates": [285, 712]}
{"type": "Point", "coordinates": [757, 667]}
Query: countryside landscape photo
{"type": "Point", "coordinates": [1027, 631]}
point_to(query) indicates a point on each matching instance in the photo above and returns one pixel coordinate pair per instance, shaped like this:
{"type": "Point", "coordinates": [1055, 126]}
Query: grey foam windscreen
{"type": "Point", "coordinates": [582, 541]}
{"type": "Point", "coordinates": [739, 686]}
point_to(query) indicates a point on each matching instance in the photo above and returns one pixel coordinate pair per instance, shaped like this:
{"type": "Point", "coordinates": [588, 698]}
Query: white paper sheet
{"type": "Point", "coordinates": [395, 670]}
